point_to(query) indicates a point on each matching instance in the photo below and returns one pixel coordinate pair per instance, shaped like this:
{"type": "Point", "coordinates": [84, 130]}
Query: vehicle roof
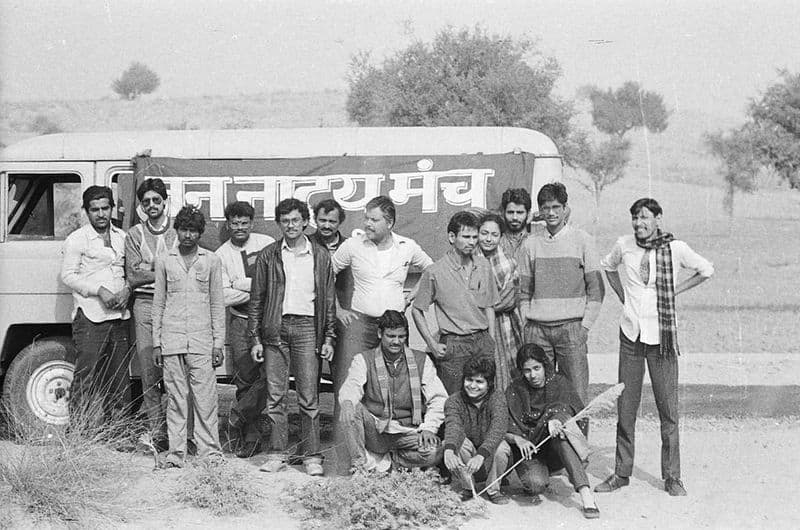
{"type": "Point", "coordinates": [281, 143]}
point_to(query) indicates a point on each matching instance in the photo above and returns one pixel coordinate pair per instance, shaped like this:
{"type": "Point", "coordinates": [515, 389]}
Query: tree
{"type": "Point", "coordinates": [465, 77]}
{"type": "Point", "coordinates": [768, 140]}
{"type": "Point", "coordinates": [618, 111]}
{"type": "Point", "coordinates": [615, 112]}
{"type": "Point", "coordinates": [138, 79]}
{"type": "Point", "coordinates": [604, 164]}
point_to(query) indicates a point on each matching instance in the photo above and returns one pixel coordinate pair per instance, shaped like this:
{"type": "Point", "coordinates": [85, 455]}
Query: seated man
{"type": "Point", "coordinates": [392, 402]}
{"type": "Point", "coordinates": [476, 421]}
{"type": "Point", "coordinates": [539, 404]}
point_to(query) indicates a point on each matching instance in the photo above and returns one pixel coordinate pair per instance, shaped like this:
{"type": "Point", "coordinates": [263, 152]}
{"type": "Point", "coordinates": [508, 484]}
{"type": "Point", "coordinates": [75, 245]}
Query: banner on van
{"type": "Point", "coordinates": [426, 190]}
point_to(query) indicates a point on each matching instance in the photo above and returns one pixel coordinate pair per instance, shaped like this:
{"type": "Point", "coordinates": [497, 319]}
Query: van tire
{"type": "Point", "coordinates": [37, 384]}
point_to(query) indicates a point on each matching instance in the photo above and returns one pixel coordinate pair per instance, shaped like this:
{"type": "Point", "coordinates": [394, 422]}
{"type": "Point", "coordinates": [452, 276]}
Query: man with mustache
{"type": "Point", "coordinates": [462, 289]}
{"type": "Point", "coordinates": [238, 255]}
{"type": "Point", "coordinates": [93, 267]}
{"type": "Point", "coordinates": [151, 238]}
{"type": "Point", "coordinates": [561, 288]}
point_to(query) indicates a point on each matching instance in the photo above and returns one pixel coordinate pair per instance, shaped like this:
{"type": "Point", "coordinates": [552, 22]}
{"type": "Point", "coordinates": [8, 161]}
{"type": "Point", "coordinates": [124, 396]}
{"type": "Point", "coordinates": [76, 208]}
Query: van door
{"type": "Point", "coordinates": [41, 205]}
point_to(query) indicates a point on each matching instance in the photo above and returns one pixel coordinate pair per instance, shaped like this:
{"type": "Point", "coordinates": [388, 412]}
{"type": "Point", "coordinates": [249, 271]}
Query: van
{"type": "Point", "coordinates": [429, 173]}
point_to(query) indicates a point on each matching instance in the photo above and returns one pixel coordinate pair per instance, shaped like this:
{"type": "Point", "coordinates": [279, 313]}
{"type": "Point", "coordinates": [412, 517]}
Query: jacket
{"type": "Point", "coordinates": [265, 308]}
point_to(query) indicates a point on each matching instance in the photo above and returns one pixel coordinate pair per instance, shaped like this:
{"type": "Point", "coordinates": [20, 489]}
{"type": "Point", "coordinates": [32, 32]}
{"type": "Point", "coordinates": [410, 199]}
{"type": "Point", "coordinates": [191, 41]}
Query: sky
{"type": "Point", "coordinates": [701, 54]}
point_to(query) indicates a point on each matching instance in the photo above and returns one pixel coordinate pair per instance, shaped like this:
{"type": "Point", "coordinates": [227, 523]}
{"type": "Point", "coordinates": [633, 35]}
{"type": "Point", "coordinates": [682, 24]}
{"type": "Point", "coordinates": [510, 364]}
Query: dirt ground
{"type": "Point", "coordinates": [740, 472]}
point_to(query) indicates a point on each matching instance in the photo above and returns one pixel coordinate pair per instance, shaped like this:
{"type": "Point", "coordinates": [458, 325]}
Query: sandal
{"type": "Point", "coordinates": [591, 512]}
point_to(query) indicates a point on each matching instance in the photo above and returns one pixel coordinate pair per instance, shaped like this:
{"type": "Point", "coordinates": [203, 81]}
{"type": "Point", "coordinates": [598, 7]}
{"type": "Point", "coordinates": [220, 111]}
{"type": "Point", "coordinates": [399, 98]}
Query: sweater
{"type": "Point", "coordinates": [485, 426]}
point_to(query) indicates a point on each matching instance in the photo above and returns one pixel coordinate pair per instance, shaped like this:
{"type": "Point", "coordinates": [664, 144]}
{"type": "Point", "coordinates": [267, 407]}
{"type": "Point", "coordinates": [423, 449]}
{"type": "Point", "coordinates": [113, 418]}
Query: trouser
{"type": "Point", "coordinates": [296, 350]}
{"type": "Point", "coordinates": [150, 373]}
{"type": "Point", "coordinates": [184, 374]}
{"type": "Point", "coordinates": [363, 437]}
{"type": "Point", "coordinates": [248, 380]}
{"type": "Point", "coordinates": [565, 346]}
{"type": "Point", "coordinates": [555, 454]}
{"type": "Point", "coordinates": [101, 364]}
{"type": "Point", "coordinates": [489, 471]}
{"type": "Point", "coordinates": [459, 349]}
{"type": "Point", "coordinates": [664, 378]}
{"type": "Point", "coordinates": [361, 334]}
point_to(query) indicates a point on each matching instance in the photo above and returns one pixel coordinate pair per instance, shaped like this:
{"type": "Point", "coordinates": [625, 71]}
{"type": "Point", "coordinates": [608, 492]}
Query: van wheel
{"type": "Point", "coordinates": [37, 384]}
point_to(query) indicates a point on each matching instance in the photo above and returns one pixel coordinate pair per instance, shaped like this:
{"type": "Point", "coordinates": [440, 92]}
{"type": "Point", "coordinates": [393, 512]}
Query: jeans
{"type": "Point", "coordinates": [248, 380]}
{"type": "Point", "coordinates": [296, 351]}
{"type": "Point", "coordinates": [363, 436]}
{"type": "Point", "coordinates": [460, 348]}
{"type": "Point", "coordinates": [101, 366]}
{"type": "Point", "coordinates": [565, 346]}
{"type": "Point", "coordinates": [664, 378]}
{"type": "Point", "coordinates": [185, 375]}
{"type": "Point", "coordinates": [491, 469]}
{"type": "Point", "coordinates": [150, 373]}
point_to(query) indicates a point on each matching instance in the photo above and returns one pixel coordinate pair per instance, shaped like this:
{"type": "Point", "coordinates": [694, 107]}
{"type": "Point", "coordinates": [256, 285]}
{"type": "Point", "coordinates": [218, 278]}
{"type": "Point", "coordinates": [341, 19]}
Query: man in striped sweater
{"type": "Point", "coordinates": [152, 237]}
{"type": "Point", "coordinates": [561, 288]}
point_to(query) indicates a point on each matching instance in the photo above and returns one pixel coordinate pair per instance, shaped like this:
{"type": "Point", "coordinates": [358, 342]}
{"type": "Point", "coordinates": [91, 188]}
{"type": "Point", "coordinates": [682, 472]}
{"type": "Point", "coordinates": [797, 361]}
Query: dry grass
{"type": "Point", "coordinates": [71, 475]}
{"type": "Point", "coordinates": [220, 487]}
{"type": "Point", "coordinates": [404, 499]}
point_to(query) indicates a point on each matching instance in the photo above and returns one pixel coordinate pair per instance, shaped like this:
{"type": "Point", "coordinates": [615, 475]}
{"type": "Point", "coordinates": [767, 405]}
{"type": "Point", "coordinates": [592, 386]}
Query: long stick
{"type": "Point", "coordinates": [509, 470]}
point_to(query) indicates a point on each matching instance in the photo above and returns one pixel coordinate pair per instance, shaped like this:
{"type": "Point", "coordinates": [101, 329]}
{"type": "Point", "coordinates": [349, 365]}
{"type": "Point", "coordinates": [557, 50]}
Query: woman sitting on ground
{"type": "Point", "coordinates": [476, 421]}
{"type": "Point", "coordinates": [539, 403]}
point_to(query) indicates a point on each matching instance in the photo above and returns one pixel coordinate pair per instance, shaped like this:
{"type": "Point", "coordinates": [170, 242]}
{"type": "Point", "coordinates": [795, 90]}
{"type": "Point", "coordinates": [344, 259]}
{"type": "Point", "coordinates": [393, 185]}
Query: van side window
{"type": "Point", "coordinates": [43, 206]}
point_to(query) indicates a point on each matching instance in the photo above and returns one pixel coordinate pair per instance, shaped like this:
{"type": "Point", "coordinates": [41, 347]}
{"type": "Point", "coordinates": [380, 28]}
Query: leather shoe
{"type": "Point", "coordinates": [612, 483]}
{"type": "Point", "coordinates": [674, 487]}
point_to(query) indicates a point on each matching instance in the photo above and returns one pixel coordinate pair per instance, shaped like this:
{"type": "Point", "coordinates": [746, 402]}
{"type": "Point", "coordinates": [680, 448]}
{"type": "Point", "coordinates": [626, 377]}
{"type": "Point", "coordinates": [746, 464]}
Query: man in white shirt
{"type": "Point", "coordinates": [93, 267]}
{"type": "Point", "coordinates": [379, 260]}
{"type": "Point", "coordinates": [642, 269]}
{"type": "Point", "coordinates": [238, 255]}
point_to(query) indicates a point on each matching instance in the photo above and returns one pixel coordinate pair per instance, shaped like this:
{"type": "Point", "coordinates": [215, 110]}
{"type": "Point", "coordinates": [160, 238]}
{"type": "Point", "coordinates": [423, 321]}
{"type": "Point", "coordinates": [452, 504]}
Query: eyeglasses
{"type": "Point", "coordinates": [297, 221]}
{"type": "Point", "coordinates": [152, 200]}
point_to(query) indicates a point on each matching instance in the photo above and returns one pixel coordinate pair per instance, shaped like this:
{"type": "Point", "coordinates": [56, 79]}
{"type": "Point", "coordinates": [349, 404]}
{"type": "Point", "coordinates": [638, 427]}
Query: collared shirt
{"type": "Point", "coordinates": [188, 307]}
{"type": "Point", "coordinates": [379, 277]}
{"type": "Point", "coordinates": [433, 393]}
{"type": "Point", "coordinates": [89, 265]}
{"type": "Point", "coordinates": [237, 266]}
{"type": "Point", "coordinates": [142, 245]}
{"type": "Point", "coordinates": [332, 246]}
{"type": "Point", "coordinates": [460, 293]}
{"type": "Point", "coordinates": [640, 314]}
{"type": "Point", "coordinates": [298, 298]}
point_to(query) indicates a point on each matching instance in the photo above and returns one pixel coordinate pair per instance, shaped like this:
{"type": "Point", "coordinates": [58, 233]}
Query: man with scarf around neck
{"type": "Point", "coordinates": [642, 269]}
{"type": "Point", "coordinates": [392, 403]}
{"type": "Point", "coordinates": [539, 404]}
{"type": "Point", "coordinates": [476, 421]}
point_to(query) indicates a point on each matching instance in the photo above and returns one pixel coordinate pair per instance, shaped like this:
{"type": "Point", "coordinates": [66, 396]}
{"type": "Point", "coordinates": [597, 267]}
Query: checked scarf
{"type": "Point", "coordinates": [665, 290]}
{"type": "Point", "coordinates": [413, 379]}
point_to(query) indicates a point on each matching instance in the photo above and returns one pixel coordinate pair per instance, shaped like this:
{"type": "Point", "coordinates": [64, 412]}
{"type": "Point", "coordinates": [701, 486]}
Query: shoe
{"type": "Point", "coordinates": [314, 468]}
{"type": "Point", "coordinates": [674, 487]}
{"type": "Point", "coordinates": [612, 483]}
{"type": "Point", "coordinates": [248, 448]}
{"type": "Point", "coordinates": [173, 461]}
{"type": "Point", "coordinates": [465, 495]}
{"type": "Point", "coordinates": [498, 498]}
{"type": "Point", "coordinates": [273, 465]}
{"type": "Point", "coordinates": [536, 499]}
{"type": "Point", "coordinates": [591, 512]}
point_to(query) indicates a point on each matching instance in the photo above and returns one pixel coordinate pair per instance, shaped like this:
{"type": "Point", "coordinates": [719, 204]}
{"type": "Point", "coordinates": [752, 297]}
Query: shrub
{"type": "Point", "coordinates": [404, 499]}
{"type": "Point", "coordinates": [138, 79]}
{"type": "Point", "coordinates": [219, 487]}
{"type": "Point", "coordinates": [42, 124]}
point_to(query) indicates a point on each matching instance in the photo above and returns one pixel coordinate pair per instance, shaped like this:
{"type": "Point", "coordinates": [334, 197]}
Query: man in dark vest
{"type": "Point", "coordinates": [392, 402]}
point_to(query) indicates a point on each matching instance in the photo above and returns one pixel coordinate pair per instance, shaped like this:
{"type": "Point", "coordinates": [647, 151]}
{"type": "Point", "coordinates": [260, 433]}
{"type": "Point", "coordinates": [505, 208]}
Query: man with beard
{"type": "Point", "coordinates": [189, 336]}
{"type": "Point", "coordinates": [515, 207]}
{"type": "Point", "coordinates": [642, 269]}
{"type": "Point", "coordinates": [151, 238]}
{"type": "Point", "coordinates": [392, 403]}
{"type": "Point", "coordinates": [238, 255]}
{"type": "Point", "coordinates": [93, 268]}
{"type": "Point", "coordinates": [462, 289]}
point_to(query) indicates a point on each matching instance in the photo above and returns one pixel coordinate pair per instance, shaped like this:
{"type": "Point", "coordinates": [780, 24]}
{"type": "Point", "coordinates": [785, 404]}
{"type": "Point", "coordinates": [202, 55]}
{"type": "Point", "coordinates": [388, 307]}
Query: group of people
{"type": "Point", "coordinates": [506, 364]}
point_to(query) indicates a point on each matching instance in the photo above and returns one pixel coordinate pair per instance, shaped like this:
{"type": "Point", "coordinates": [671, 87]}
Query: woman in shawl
{"type": "Point", "coordinates": [507, 322]}
{"type": "Point", "coordinates": [539, 404]}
